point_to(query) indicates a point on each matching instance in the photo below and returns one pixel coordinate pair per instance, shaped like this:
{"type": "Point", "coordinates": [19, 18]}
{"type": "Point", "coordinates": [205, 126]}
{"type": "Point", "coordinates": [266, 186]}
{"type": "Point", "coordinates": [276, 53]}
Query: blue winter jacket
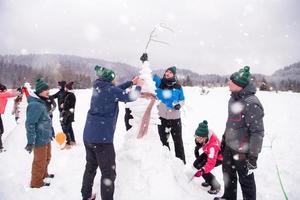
{"type": "Point", "coordinates": [104, 109]}
{"type": "Point", "coordinates": [168, 97]}
{"type": "Point", "coordinates": [38, 123]}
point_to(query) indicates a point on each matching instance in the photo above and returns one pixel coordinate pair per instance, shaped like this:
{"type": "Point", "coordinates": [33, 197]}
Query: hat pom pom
{"type": "Point", "coordinates": [246, 68]}
{"type": "Point", "coordinates": [97, 67]}
{"type": "Point", "coordinates": [205, 122]}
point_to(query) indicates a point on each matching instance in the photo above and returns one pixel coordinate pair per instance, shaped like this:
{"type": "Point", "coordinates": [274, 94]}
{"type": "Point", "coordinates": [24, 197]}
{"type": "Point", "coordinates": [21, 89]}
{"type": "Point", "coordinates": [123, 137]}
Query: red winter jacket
{"type": "Point", "coordinates": [3, 99]}
{"type": "Point", "coordinates": [211, 149]}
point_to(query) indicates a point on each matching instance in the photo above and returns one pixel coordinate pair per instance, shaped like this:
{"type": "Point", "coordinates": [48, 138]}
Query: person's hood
{"type": "Point", "coordinates": [102, 83]}
{"type": "Point", "coordinates": [33, 97]}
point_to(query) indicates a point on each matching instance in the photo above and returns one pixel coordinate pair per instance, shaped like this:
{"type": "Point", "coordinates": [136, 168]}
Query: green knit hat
{"type": "Point", "coordinates": [40, 86]}
{"type": "Point", "coordinates": [242, 77]}
{"type": "Point", "coordinates": [202, 130]}
{"type": "Point", "coordinates": [172, 69]}
{"type": "Point", "coordinates": [105, 74]}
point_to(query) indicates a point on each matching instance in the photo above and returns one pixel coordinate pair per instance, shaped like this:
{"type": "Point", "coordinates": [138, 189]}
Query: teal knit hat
{"type": "Point", "coordinates": [242, 77]}
{"type": "Point", "coordinates": [202, 130]}
{"type": "Point", "coordinates": [172, 69]}
{"type": "Point", "coordinates": [40, 86]}
{"type": "Point", "coordinates": [105, 74]}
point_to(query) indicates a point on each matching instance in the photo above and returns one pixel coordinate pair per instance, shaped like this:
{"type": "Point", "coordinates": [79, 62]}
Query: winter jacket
{"type": "Point", "coordinates": [3, 99]}
{"type": "Point", "coordinates": [244, 127]}
{"type": "Point", "coordinates": [69, 108]}
{"type": "Point", "coordinates": [103, 113]}
{"type": "Point", "coordinates": [38, 123]}
{"type": "Point", "coordinates": [169, 98]}
{"type": "Point", "coordinates": [60, 95]}
{"type": "Point", "coordinates": [212, 150]}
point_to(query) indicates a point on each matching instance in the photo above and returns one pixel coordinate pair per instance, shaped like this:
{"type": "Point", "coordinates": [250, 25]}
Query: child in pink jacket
{"type": "Point", "coordinates": [209, 159]}
{"type": "Point", "coordinates": [4, 95]}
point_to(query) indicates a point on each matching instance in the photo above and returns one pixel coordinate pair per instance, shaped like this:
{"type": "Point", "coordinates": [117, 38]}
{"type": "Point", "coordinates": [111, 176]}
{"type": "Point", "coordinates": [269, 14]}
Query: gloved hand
{"type": "Point", "coordinates": [199, 173]}
{"type": "Point", "coordinates": [144, 57]}
{"type": "Point", "coordinates": [177, 107]}
{"type": "Point", "coordinates": [29, 148]}
{"type": "Point", "coordinates": [251, 164]}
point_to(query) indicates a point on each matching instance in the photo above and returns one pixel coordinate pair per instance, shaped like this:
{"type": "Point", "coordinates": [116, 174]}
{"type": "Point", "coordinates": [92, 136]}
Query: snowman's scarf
{"type": "Point", "coordinates": [146, 117]}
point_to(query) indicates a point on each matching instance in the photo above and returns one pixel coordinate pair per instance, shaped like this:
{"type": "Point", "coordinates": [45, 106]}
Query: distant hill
{"type": "Point", "coordinates": [16, 69]}
{"type": "Point", "coordinates": [55, 67]}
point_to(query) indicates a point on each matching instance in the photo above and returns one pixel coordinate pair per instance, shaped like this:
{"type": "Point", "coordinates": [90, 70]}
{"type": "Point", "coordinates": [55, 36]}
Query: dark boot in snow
{"type": "Point", "coordinates": [205, 184]}
{"type": "Point", "coordinates": [220, 198]}
{"type": "Point", "coordinates": [50, 176]}
{"type": "Point", "coordinates": [213, 190]}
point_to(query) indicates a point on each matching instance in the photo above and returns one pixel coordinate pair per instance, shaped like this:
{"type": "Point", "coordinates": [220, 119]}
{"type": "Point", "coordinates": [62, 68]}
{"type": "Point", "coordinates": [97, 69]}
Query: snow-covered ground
{"type": "Point", "coordinates": [157, 175]}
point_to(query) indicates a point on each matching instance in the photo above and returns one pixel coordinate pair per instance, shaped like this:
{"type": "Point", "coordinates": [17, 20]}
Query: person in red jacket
{"type": "Point", "coordinates": [209, 159]}
{"type": "Point", "coordinates": [4, 95]}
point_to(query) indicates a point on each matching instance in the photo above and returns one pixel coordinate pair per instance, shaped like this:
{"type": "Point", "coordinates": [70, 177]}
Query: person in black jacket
{"type": "Point", "coordinates": [243, 137]}
{"type": "Point", "coordinates": [60, 96]}
{"type": "Point", "coordinates": [67, 117]}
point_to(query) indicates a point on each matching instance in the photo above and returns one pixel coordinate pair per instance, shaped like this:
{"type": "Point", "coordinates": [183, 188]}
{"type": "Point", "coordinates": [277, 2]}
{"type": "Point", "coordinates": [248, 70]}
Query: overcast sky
{"type": "Point", "coordinates": [210, 36]}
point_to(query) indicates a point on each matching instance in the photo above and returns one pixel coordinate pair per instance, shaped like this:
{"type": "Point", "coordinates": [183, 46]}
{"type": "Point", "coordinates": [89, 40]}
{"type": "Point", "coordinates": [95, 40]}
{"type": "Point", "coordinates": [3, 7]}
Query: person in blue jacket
{"type": "Point", "coordinates": [99, 130]}
{"type": "Point", "coordinates": [39, 131]}
{"type": "Point", "coordinates": [170, 94]}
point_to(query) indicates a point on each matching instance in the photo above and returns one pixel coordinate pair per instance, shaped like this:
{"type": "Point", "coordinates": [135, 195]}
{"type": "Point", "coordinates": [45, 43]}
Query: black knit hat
{"type": "Point", "coordinates": [172, 69]}
{"type": "Point", "coordinates": [202, 130]}
{"type": "Point", "coordinates": [40, 86]}
{"type": "Point", "coordinates": [2, 87]}
{"type": "Point", "coordinates": [242, 77]}
{"type": "Point", "coordinates": [62, 83]}
{"type": "Point", "coordinates": [69, 85]}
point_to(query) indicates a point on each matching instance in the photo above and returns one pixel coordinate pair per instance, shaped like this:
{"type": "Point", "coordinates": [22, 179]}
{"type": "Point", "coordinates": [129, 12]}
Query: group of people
{"type": "Point", "coordinates": [237, 152]}
{"type": "Point", "coordinates": [39, 127]}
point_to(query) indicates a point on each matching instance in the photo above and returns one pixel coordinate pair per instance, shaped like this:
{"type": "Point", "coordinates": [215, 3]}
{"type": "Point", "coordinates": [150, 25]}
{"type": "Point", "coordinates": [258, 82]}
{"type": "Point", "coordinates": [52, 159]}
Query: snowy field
{"type": "Point", "coordinates": [146, 170]}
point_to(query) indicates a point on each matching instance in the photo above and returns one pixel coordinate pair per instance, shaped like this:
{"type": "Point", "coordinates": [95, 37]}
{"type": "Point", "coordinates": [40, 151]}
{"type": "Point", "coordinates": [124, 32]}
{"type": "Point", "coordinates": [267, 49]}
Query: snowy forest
{"type": "Point", "coordinates": [16, 69]}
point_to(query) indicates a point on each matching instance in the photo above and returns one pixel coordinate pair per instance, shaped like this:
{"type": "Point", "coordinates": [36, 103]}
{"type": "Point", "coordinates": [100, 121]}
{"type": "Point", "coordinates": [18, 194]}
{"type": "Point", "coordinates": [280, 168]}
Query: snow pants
{"type": "Point", "coordinates": [102, 156]}
{"type": "Point", "coordinates": [41, 159]}
{"type": "Point", "coordinates": [231, 168]}
{"type": "Point", "coordinates": [208, 177]}
{"type": "Point", "coordinates": [173, 127]}
{"type": "Point", "coordinates": [68, 130]}
{"type": "Point", "coordinates": [1, 132]}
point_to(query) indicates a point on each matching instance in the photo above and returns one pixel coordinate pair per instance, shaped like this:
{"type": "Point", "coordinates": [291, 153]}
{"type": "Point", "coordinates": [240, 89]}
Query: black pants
{"type": "Point", "coordinates": [68, 130]}
{"type": "Point", "coordinates": [127, 117]}
{"type": "Point", "coordinates": [176, 131]}
{"type": "Point", "coordinates": [102, 156]}
{"type": "Point", "coordinates": [1, 132]}
{"type": "Point", "coordinates": [208, 177]}
{"type": "Point", "coordinates": [233, 167]}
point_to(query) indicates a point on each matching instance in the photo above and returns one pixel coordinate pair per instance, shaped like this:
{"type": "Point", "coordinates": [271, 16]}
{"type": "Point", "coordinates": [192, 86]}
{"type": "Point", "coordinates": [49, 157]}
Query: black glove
{"type": "Point", "coordinates": [177, 107]}
{"type": "Point", "coordinates": [19, 90]}
{"type": "Point", "coordinates": [251, 163]}
{"type": "Point", "coordinates": [29, 148]}
{"type": "Point", "coordinates": [144, 57]}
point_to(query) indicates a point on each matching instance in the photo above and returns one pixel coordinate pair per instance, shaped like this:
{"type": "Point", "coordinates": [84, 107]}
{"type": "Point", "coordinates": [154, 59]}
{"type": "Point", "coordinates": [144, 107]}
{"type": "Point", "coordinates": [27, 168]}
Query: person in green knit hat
{"type": "Point", "coordinates": [210, 157]}
{"type": "Point", "coordinates": [39, 131]}
{"type": "Point", "coordinates": [243, 137]}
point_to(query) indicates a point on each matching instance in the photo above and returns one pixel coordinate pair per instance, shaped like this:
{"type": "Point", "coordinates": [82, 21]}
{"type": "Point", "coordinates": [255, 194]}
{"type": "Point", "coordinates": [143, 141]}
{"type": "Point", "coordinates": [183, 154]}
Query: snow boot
{"type": "Point", "coordinates": [50, 176]}
{"type": "Point", "coordinates": [93, 197]}
{"type": "Point", "coordinates": [220, 198]}
{"type": "Point", "coordinates": [213, 191]}
{"type": "Point", "coordinates": [205, 184]}
{"type": "Point", "coordinates": [46, 184]}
